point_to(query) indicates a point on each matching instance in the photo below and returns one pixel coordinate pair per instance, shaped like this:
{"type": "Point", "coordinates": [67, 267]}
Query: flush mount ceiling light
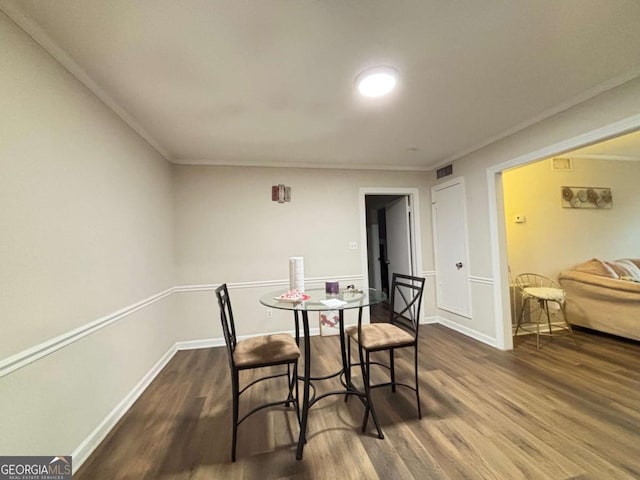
{"type": "Point", "coordinates": [377, 81]}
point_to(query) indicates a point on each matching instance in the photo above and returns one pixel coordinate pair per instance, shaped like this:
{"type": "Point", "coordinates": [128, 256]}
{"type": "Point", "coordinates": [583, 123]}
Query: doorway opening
{"type": "Point", "coordinates": [388, 238]}
{"type": "Point", "coordinates": [497, 218]}
{"type": "Point", "coordinates": [389, 223]}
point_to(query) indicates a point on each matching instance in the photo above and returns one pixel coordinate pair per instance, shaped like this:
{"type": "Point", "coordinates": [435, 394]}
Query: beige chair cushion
{"type": "Point", "coordinates": [381, 335]}
{"type": "Point", "coordinates": [267, 349]}
{"type": "Point", "coordinates": [546, 293]}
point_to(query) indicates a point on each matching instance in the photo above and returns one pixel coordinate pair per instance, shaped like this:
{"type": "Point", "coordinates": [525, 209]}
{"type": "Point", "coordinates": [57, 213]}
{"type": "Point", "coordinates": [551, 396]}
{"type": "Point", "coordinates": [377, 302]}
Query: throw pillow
{"type": "Point", "coordinates": [620, 270]}
{"type": "Point", "coordinates": [597, 267]}
{"type": "Point", "coordinates": [629, 269]}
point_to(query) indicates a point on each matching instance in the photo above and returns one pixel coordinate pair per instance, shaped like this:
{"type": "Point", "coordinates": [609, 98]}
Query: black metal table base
{"type": "Point", "coordinates": [345, 380]}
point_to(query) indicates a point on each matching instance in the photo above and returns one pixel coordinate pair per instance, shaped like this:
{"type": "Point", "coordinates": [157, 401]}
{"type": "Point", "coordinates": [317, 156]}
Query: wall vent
{"type": "Point", "coordinates": [561, 164]}
{"type": "Point", "coordinates": [444, 171]}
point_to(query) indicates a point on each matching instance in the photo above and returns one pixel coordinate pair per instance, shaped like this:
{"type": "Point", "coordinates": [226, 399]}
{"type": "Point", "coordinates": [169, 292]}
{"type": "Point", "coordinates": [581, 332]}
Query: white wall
{"type": "Point", "coordinates": [554, 239]}
{"type": "Point", "coordinates": [86, 230]}
{"type": "Point", "coordinates": [229, 230]}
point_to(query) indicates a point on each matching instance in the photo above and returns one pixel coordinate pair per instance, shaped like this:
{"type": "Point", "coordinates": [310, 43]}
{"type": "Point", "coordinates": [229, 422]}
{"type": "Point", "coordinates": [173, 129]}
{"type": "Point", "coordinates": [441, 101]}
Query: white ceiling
{"type": "Point", "coordinates": [270, 82]}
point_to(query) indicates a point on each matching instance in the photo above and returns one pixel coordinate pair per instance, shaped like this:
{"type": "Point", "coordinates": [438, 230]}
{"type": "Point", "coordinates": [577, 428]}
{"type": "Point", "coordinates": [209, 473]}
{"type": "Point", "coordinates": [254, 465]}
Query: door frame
{"type": "Point", "coordinates": [434, 226]}
{"type": "Point", "coordinates": [497, 228]}
{"type": "Point", "coordinates": [414, 226]}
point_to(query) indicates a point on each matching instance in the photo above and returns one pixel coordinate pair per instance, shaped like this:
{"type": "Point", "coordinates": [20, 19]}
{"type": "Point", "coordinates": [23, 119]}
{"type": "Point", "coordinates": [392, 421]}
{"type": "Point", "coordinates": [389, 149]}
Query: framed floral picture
{"type": "Point", "coordinates": [586, 197]}
{"type": "Point", "coordinates": [329, 323]}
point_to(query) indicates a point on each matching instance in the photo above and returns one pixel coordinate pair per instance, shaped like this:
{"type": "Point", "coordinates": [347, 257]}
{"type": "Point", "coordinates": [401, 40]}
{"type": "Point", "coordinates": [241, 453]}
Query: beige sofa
{"type": "Point", "coordinates": [604, 296]}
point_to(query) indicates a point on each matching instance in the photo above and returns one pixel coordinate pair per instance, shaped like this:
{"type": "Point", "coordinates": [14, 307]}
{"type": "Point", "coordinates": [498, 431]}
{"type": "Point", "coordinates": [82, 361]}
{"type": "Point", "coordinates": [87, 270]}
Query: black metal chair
{"type": "Point", "coordinates": [254, 353]}
{"type": "Point", "coordinates": [400, 332]}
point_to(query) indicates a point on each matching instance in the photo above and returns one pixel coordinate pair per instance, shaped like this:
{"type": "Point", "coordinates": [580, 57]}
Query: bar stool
{"type": "Point", "coordinates": [256, 353]}
{"type": "Point", "coordinates": [537, 292]}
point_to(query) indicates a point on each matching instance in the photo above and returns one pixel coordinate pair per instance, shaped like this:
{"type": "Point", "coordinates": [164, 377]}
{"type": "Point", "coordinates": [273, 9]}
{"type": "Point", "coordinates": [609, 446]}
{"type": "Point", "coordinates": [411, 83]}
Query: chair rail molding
{"type": "Point", "coordinates": [30, 355]}
{"type": "Point", "coordinates": [23, 358]}
{"type": "Point", "coordinates": [481, 280]}
{"type": "Point", "coordinates": [265, 283]}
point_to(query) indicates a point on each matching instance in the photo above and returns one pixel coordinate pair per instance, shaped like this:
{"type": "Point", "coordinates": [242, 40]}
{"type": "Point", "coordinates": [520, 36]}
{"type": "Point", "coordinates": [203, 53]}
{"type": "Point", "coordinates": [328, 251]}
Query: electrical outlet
{"type": "Point", "coordinates": [269, 313]}
{"type": "Point", "coordinates": [353, 245]}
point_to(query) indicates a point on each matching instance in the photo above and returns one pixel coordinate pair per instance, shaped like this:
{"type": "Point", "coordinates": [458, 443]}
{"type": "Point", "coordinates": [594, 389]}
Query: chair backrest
{"type": "Point", "coordinates": [525, 280]}
{"type": "Point", "coordinates": [226, 319]}
{"type": "Point", "coordinates": [405, 301]}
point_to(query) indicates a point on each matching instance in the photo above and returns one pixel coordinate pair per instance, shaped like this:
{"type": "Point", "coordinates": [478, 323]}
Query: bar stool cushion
{"type": "Point", "coordinates": [546, 293]}
{"type": "Point", "coordinates": [379, 335]}
{"type": "Point", "coordinates": [266, 349]}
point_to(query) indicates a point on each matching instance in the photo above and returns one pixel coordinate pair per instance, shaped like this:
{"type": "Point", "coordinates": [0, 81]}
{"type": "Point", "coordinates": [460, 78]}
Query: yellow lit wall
{"type": "Point", "coordinates": [554, 238]}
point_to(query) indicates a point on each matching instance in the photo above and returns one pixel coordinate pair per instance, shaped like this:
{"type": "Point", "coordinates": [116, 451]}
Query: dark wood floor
{"type": "Point", "coordinates": [569, 410]}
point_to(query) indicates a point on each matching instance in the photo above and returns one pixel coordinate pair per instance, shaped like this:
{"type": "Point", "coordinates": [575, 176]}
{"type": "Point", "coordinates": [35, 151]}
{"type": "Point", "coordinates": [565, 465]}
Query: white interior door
{"type": "Point", "coordinates": [451, 247]}
{"type": "Point", "coordinates": [398, 237]}
{"type": "Point", "coordinates": [374, 256]}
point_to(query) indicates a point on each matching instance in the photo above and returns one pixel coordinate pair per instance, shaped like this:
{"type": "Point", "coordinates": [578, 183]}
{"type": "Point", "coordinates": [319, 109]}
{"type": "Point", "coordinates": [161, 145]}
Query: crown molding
{"type": "Point", "coordinates": [599, 156]}
{"type": "Point", "coordinates": [577, 100]}
{"type": "Point", "coordinates": [268, 164]}
{"type": "Point", "coordinates": [36, 32]}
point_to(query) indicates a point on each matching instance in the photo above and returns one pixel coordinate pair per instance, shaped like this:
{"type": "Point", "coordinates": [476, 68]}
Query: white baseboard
{"type": "Point", "coordinates": [86, 448]}
{"type": "Point", "coordinates": [429, 320]}
{"type": "Point", "coordinates": [481, 337]}
{"type": "Point", "coordinates": [203, 343]}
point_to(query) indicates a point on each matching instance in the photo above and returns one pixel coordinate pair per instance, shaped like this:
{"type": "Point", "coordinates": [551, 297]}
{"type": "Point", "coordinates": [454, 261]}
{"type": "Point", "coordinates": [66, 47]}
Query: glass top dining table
{"type": "Point", "coordinates": [315, 300]}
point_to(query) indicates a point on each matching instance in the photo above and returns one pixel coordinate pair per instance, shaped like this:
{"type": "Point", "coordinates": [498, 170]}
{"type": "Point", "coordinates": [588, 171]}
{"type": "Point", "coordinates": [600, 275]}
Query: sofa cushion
{"type": "Point", "coordinates": [597, 267]}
